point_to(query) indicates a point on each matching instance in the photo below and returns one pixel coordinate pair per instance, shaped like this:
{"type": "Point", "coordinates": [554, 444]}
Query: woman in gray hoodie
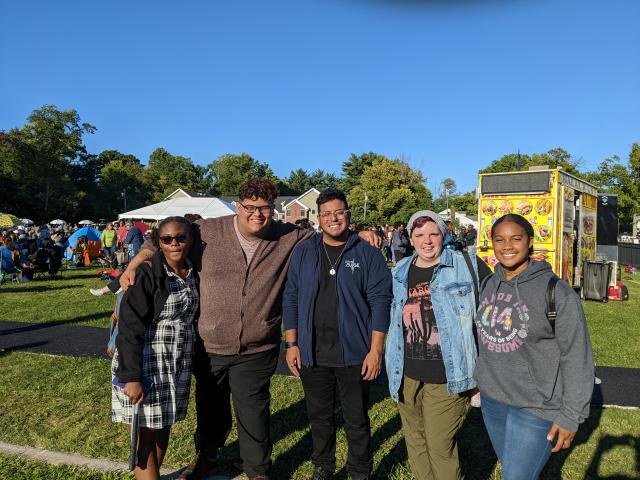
{"type": "Point", "coordinates": [535, 376]}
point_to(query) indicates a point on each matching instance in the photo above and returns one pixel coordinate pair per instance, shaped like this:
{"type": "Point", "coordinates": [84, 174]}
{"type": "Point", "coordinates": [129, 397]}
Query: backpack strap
{"type": "Point", "coordinates": [474, 277]}
{"type": "Point", "coordinates": [552, 314]}
{"type": "Point", "coordinates": [485, 280]}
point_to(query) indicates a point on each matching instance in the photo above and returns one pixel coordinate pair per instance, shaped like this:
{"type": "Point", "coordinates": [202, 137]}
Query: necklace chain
{"type": "Point", "coordinates": [332, 270]}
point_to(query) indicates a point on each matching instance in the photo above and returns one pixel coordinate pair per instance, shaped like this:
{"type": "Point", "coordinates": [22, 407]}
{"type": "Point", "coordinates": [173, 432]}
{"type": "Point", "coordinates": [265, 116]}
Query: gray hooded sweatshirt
{"type": "Point", "coordinates": [521, 362]}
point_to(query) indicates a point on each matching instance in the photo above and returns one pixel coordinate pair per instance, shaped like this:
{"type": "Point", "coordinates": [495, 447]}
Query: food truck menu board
{"type": "Point", "coordinates": [587, 228]}
{"type": "Point", "coordinates": [538, 209]}
{"type": "Point", "coordinates": [568, 236]}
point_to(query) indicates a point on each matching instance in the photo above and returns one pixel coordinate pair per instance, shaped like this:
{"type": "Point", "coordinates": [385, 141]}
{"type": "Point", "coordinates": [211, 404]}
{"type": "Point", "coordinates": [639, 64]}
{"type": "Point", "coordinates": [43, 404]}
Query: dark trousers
{"type": "Point", "coordinates": [246, 378]}
{"type": "Point", "coordinates": [319, 384]}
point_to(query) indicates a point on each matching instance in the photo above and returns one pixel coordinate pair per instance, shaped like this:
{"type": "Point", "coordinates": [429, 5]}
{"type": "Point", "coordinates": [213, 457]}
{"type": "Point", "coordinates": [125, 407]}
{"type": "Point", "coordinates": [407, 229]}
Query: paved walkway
{"type": "Point", "coordinates": [57, 458]}
{"type": "Point", "coordinates": [618, 387]}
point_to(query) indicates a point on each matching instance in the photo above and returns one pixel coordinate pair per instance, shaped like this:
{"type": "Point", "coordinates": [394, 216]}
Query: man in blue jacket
{"type": "Point", "coordinates": [336, 313]}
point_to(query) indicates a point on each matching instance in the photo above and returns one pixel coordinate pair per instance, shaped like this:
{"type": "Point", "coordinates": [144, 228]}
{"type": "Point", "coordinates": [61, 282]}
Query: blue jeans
{"type": "Point", "coordinates": [109, 250]}
{"type": "Point", "coordinates": [519, 439]}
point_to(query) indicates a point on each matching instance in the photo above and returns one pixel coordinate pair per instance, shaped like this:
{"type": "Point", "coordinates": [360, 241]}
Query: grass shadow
{"type": "Point", "coordinates": [28, 288]}
{"type": "Point", "coordinates": [609, 442]}
{"type": "Point", "coordinates": [30, 327]}
{"type": "Point", "coordinates": [24, 346]}
{"type": "Point", "coordinates": [477, 457]}
{"type": "Point", "coordinates": [395, 456]}
{"type": "Point", "coordinates": [553, 468]}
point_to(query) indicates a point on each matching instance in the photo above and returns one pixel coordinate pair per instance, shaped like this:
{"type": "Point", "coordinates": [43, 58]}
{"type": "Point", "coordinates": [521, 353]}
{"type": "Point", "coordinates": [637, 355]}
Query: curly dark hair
{"type": "Point", "coordinates": [258, 187]}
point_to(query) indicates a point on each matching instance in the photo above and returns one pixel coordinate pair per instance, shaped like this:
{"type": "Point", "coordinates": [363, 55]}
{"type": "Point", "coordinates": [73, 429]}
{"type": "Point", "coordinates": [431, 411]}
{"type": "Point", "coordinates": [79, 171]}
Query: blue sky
{"type": "Point", "coordinates": [447, 85]}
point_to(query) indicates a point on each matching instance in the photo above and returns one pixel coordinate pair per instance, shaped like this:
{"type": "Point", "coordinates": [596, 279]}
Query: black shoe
{"type": "Point", "coordinates": [201, 467]}
{"type": "Point", "coordinates": [320, 473]}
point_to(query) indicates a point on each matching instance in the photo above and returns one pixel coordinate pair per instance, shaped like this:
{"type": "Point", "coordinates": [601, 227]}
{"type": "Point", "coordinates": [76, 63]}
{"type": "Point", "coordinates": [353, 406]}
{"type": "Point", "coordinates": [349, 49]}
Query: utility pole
{"type": "Point", "coordinates": [124, 196]}
{"type": "Point", "coordinates": [364, 217]}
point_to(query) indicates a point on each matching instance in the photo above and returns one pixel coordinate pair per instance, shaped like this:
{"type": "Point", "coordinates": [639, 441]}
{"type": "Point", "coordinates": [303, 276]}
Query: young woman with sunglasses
{"type": "Point", "coordinates": [154, 348]}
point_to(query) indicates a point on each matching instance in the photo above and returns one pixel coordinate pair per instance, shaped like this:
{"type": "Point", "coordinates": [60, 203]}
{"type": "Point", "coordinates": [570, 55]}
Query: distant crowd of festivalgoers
{"type": "Point", "coordinates": [26, 250]}
{"type": "Point", "coordinates": [395, 240]}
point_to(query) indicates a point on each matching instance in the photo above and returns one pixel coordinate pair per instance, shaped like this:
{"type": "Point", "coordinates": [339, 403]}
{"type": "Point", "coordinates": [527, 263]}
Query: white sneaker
{"type": "Point", "coordinates": [96, 291]}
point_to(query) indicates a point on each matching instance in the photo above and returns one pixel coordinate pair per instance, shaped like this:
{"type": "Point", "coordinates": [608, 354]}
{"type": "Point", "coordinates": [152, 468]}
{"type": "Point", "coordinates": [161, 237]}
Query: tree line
{"type": "Point", "coordinates": [46, 171]}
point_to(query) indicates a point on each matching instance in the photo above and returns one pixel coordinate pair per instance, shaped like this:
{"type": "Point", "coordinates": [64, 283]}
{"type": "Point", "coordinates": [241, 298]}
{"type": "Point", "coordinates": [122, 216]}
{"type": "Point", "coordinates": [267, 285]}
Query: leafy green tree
{"type": "Point", "coordinates": [354, 167]}
{"type": "Point", "coordinates": [556, 157]}
{"type": "Point", "coordinates": [228, 172]}
{"type": "Point", "coordinates": [55, 139]}
{"type": "Point", "coordinates": [319, 179]}
{"type": "Point", "coordinates": [393, 190]}
{"type": "Point", "coordinates": [121, 178]}
{"type": "Point", "coordinates": [466, 202]}
{"type": "Point", "coordinates": [622, 179]}
{"type": "Point", "coordinates": [166, 172]}
{"type": "Point", "coordinates": [298, 181]}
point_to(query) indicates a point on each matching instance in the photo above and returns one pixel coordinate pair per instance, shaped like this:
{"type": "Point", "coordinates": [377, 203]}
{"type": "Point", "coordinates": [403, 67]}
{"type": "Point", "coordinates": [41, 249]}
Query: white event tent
{"type": "Point", "coordinates": [207, 207]}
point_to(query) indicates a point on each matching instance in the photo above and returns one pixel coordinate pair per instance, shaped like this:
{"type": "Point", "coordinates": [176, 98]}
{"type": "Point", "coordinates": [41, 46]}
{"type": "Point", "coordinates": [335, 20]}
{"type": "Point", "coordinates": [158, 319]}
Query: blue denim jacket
{"type": "Point", "coordinates": [454, 307]}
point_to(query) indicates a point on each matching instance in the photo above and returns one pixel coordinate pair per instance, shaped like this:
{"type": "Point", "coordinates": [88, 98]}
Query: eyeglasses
{"type": "Point", "coordinates": [168, 240]}
{"type": "Point", "coordinates": [338, 213]}
{"type": "Point", "coordinates": [264, 209]}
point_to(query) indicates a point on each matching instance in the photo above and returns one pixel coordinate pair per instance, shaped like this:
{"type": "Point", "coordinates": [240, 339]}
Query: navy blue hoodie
{"type": "Point", "coordinates": [364, 296]}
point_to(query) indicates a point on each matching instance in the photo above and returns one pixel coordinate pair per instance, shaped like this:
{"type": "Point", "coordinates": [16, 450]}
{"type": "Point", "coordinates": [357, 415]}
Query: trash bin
{"type": "Point", "coordinates": [595, 284]}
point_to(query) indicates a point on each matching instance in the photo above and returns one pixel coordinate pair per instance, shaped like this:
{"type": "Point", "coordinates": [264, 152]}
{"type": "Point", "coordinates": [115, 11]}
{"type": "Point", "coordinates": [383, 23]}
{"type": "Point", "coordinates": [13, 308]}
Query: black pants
{"type": "Point", "coordinates": [319, 385]}
{"type": "Point", "coordinates": [247, 379]}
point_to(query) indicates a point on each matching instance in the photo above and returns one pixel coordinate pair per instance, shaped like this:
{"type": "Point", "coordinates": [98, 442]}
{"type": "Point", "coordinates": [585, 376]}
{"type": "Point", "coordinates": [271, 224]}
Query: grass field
{"type": "Point", "coordinates": [614, 326]}
{"type": "Point", "coordinates": [17, 468]}
{"type": "Point", "coordinates": [65, 300]}
{"type": "Point", "coordinates": [63, 403]}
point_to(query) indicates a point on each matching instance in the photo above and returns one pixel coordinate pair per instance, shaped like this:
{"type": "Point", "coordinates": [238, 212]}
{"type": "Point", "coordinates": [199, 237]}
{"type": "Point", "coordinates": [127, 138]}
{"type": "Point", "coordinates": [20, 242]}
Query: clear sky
{"type": "Point", "coordinates": [448, 85]}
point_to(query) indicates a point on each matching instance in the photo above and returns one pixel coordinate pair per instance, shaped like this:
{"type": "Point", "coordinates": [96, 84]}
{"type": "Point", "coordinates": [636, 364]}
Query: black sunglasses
{"type": "Point", "coordinates": [168, 240]}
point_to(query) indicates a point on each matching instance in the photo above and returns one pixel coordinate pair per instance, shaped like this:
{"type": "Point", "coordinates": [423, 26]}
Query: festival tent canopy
{"type": "Point", "coordinates": [57, 221]}
{"type": "Point", "coordinates": [85, 222]}
{"type": "Point", "coordinates": [207, 207]}
{"type": "Point", "coordinates": [27, 221]}
{"type": "Point", "coordinates": [92, 234]}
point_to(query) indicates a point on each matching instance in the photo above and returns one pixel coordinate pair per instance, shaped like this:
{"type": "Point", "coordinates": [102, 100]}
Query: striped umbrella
{"type": "Point", "coordinates": [8, 220]}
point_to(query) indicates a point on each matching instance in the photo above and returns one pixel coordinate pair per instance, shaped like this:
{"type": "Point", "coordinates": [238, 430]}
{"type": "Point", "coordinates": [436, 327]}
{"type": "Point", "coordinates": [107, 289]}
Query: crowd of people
{"type": "Point", "coordinates": [29, 249]}
{"type": "Point", "coordinates": [210, 297]}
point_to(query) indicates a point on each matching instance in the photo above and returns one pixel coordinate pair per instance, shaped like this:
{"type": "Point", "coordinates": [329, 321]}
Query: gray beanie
{"type": "Point", "coordinates": [433, 216]}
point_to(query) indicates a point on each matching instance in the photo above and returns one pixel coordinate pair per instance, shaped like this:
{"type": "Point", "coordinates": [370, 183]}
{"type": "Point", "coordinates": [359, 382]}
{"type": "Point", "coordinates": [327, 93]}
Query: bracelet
{"type": "Point", "coordinates": [290, 344]}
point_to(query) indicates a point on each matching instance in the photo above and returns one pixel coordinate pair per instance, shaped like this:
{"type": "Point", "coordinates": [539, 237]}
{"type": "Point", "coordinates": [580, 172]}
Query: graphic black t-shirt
{"type": "Point", "coordinates": [326, 336]}
{"type": "Point", "coordinates": [422, 353]}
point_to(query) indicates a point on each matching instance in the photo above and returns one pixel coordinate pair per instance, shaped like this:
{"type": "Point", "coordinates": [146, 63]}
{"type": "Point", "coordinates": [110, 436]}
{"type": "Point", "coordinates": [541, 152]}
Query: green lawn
{"type": "Point", "coordinates": [614, 326]}
{"type": "Point", "coordinates": [64, 300]}
{"type": "Point", "coordinates": [17, 468]}
{"type": "Point", "coordinates": [63, 404]}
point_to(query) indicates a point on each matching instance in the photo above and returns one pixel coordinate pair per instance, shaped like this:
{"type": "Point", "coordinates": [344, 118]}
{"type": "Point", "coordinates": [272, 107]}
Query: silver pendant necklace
{"type": "Point", "coordinates": [332, 270]}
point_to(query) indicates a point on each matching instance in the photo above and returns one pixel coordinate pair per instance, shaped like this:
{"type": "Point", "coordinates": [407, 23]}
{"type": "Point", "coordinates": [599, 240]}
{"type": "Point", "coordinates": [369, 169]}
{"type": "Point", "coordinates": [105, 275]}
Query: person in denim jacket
{"type": "Point", "coordinates": [431, 352]}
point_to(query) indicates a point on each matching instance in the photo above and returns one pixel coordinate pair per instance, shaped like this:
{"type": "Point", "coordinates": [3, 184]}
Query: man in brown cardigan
{"type": "Point", "coordinates": [243, 267]}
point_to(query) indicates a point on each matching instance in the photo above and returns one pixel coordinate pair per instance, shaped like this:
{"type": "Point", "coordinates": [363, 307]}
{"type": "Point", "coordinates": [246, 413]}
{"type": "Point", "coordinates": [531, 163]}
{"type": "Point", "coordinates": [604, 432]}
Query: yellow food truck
{"type": "Point", "coordinates": [560, 206]}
